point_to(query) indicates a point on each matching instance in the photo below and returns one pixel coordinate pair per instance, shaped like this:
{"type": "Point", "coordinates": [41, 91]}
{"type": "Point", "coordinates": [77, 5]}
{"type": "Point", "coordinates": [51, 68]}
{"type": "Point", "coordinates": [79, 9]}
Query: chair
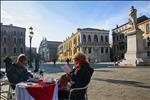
{"type": "Point", "coordinates": [7, 93]}
{"type": "Point", "coordinates": [77, 89]}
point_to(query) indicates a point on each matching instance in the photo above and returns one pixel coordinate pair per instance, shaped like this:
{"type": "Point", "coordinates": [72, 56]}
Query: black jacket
{"type": "Point", "coordinates": [80, 77]}
{"type": "Point", "coordinates": [17, 74]}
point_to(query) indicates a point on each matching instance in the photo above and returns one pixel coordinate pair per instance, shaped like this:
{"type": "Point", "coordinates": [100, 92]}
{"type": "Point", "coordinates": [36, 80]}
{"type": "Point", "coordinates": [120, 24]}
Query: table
{"type": "Point", "coordinates": [36, 91]}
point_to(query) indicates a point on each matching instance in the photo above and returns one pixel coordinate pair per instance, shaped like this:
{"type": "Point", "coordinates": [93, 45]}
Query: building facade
{"type": "Point", "coordinates": [92, 42]}
{"type": "Point", "coordinates": [12, 41]}
{"type": "Point", "coordinates": [48, 50]}
{"type": "Point", "coordinates": [119, 37]}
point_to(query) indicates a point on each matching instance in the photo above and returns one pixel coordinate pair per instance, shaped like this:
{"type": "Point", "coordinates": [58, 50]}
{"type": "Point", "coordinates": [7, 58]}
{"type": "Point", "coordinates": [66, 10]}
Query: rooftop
{"type": "Point", "coordinates": [139, 20]}
{"type": "Point", "coordinates": [94, 29]}
{"type": "Point", "coordinates": [11, 25]}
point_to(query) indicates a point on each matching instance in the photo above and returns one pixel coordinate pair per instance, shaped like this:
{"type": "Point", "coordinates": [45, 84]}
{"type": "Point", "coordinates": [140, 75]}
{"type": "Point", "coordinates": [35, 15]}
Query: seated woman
{"type": "Point", "coordinates": [79, 77]}
{"type": "Point", "coordinates": [17, 72]}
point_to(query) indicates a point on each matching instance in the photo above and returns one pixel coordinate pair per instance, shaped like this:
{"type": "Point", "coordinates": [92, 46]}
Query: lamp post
{"type": "Point", "coordinates": [30, 39]}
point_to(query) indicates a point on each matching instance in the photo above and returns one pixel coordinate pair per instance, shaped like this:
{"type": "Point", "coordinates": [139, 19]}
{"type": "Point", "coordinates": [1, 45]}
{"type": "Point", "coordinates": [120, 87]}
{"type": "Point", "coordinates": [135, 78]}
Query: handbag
{"type": "Point", "coordinates": [63, 81]}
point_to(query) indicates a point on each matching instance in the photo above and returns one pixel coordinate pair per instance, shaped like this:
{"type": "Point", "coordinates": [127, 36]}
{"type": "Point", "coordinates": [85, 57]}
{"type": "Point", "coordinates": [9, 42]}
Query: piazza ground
{"type": "Point", "coordinates": [121, 83]}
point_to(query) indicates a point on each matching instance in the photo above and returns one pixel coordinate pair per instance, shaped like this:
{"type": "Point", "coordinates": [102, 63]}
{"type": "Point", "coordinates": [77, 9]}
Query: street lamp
{"type": "Point", "coordinates": [30, 39]}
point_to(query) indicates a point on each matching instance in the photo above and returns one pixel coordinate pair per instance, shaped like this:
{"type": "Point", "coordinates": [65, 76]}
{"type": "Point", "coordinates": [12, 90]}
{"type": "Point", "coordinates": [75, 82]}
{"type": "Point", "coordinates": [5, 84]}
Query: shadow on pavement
{"type": "Point", "coordinates": [103, 70]}
{"type": "Point", "coordinates": [123, 82]}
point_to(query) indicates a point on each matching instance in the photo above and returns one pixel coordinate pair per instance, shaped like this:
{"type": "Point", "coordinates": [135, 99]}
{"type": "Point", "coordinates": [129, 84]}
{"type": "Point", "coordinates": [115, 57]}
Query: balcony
{"type": "Point", "coordinates": [94, 43]}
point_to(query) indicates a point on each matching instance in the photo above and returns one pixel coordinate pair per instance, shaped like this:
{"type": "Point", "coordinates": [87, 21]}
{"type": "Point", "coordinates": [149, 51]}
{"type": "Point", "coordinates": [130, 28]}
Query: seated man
{"type": "Point", "coordinates": [8, 63]}
{"type": "Point", "coordinates": [17, 72]}
{"type": "Point", "coordinates": [79, 77]}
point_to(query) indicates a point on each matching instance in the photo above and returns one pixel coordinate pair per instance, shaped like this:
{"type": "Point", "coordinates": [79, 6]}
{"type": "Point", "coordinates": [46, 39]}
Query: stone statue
{"type": "Point", "coordinates": [133, 18]}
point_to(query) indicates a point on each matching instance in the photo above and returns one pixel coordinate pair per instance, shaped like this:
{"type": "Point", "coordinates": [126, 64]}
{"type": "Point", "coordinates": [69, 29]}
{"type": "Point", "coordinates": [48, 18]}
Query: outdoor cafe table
{"type": "Point", "coordinates": [36, 91]}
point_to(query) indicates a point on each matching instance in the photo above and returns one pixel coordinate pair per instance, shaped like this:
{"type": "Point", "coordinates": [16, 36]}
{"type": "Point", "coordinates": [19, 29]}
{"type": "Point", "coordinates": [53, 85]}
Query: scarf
{"type": "Point", "coordinates": [79, 62]}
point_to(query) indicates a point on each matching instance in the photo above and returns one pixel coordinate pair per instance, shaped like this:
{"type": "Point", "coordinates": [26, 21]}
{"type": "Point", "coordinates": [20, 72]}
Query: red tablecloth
{"type": "Point", "coordinates": [42, 91]}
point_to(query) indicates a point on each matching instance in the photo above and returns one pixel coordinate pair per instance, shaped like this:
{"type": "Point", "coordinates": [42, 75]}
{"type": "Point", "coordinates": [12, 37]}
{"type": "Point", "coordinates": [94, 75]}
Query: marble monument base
{"type": "Point", "coordinates": [132, 60]}
{"type": "Point", "coordinates": [135, 50]}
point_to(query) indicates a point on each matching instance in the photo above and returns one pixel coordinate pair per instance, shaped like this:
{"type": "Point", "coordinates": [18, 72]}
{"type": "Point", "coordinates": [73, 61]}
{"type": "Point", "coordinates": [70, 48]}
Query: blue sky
{"type": "Point", "coordinates": [57, 20]}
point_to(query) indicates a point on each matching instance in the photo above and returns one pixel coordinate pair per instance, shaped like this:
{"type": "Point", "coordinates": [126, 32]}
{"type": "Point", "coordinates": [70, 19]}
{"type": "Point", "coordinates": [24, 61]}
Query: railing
{"type": "Point", "coordinates": [91, 43]}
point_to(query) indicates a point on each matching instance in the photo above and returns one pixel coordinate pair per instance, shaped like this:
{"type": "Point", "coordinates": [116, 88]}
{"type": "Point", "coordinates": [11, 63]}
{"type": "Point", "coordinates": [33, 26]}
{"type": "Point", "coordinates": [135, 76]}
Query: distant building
{"type": "Point", "coordinates": [12, 41]}
{"type": "Point", "coordinates": [48, 50]}
{"type": "Point", "coordinates": [33, 50]}
{"type": "Point", "coordinates": [92, 42]}
{"type": "Point", "coordinates": [119, 37]}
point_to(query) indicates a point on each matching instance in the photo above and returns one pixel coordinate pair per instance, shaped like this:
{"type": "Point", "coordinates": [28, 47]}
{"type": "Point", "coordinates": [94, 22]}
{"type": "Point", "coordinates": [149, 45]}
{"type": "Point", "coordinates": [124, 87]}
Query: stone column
{"type": "Point", "coordinates": [135, 50]}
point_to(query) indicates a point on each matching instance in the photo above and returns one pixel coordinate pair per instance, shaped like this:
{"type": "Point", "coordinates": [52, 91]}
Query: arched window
{"type": "Point", "coordinates": [89, 38]}
{"type": "Point", "coordinates": [79, 39]}
{"type": "Point", "coordinates": [4, 50]}
{"type": "Point", "coordinates": [102, 39]}
{"type": "Point", "coordinates": [15, 50]}
{"type": "Point", "coordinates": [89, 50]}
{"type": "Point", "coordinates": [84, 50]}
{"type": "Point", "coordinates": [15, 40]}
{"type": "Point", "coordinates": [4, 39]}
{"type": "Point", "coordinates": [102, 50]}
{"type": "Point", "coordinates": [95, 38]}
{"type": "Point", "coordinates": [106, 38]}
{"type": "Point", "coordinates": [106, 50]}
{"type": "Point", "coordinates": [4, 31]}
{"type": "Point", "coordinates": [148, 38]}
{"type": "Point", "coordinates": [148, 41]}
{"type": "Point", "coordinates": [84, 38]}
{"type": "Point", "coordinates": [75, 40]}
{"type": "Point", "coordinates": [21, 50]}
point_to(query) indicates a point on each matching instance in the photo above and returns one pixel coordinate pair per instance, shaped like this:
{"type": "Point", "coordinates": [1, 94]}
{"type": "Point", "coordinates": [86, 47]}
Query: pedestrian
{"type": "Point", "coordinates": [36, 65]}
{"type": "Point", "coordinates": [67, 60]}
{"type": "Point", "coordinates": [54, 61]}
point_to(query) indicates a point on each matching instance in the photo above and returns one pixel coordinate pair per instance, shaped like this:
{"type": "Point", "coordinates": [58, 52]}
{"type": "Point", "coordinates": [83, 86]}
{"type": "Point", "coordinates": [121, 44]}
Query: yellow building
{"type": "Point", "coordinates": [69, 47]}
{"type": "Point", "coordinates": [145, 27]}
{"type": "Point", "coordinates": [92, 42]}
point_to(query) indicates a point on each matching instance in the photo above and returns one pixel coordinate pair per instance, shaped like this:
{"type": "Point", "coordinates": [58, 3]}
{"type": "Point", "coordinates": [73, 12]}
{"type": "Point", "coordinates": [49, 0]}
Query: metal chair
{"type": "Point", "coordinates": [78, 89]}
{"type": "Point", "coordinates": [7, 93]}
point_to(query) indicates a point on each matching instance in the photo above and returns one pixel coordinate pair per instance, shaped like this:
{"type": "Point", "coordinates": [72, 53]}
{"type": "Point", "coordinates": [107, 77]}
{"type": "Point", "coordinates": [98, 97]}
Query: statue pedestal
{"type": "Point", "coordinates": [135, 50]}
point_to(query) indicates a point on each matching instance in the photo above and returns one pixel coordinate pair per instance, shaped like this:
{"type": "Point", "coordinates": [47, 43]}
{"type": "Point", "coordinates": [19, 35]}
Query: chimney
{"type": "Point", "coordinates": [116, 26]}
{"type": "Point", "coordinates": [78, 29]}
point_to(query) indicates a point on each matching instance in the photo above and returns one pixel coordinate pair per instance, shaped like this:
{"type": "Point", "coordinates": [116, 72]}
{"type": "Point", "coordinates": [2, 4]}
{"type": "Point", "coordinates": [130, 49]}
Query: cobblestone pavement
{"type": "Point", "coordinates": [120, 84]}
{"type": "Point", "coordinates": [111, 83]}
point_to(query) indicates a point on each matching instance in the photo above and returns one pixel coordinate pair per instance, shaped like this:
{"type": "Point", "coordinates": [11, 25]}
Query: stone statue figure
{"type": "Point", "coordinates": [133, 18]}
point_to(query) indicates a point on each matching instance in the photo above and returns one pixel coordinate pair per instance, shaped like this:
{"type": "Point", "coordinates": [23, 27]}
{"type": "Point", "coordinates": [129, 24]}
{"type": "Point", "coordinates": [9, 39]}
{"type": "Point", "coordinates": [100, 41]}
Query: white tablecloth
{"type": "Point", "coordinates": [21, 92]}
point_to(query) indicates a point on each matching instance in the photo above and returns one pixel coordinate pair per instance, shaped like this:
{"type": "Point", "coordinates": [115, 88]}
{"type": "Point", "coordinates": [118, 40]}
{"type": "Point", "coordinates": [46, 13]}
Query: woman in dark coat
{"type": "Point", "coordinates": [79, 77]}
{"type": "Point", "coordinates": [17, 72]}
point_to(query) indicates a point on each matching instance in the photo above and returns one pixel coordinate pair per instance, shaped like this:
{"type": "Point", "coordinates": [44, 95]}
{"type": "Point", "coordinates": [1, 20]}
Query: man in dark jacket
{"type": "Point", "coordinates": [79, 77]}
{"type": "Point", "coordinates": [8, 63]}
{"type": "Point", "coordinates": [17, 72]}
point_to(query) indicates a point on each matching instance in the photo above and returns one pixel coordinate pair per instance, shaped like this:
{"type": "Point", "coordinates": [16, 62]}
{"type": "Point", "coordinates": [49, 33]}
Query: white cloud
{"type": "Point", "coordinates": [48, 26]}
{"type": "Point", "coordinates": [5, 15]}
{"type": "Point", "coordinates": [145, 10]}
{"type": "Point", "coordinates": [120, 18]}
